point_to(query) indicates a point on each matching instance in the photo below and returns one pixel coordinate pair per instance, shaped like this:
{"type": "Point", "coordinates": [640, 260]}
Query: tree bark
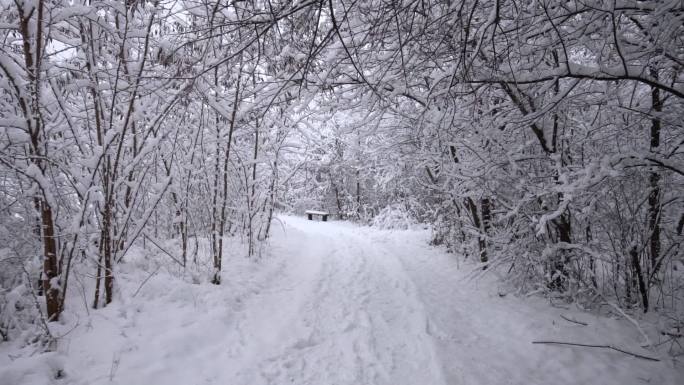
{"type": "Point", "coordinates": [485, 206]}
{"type": "Point", "coordinates": [482, 245]}
{"type": "Point", "coordinates": [636, 266]}
{"type": "Point", "coordinates": [654, 204]}
{"type": "Point", "coordinates": [32, 51]}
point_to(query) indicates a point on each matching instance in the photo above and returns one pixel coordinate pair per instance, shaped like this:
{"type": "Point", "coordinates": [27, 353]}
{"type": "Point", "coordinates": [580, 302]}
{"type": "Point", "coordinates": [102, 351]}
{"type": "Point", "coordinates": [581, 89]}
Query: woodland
{"type": "Point", "coordinates": [542, 139]}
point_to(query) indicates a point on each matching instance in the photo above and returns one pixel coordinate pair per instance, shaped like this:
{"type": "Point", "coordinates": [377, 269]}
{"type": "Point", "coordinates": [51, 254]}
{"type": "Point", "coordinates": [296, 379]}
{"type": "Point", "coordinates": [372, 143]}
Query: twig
{"type": "Point", "coordinates": [46, 329]}
{"type": "Point", "coordinates": [163, 250]}
{"type": "Point", "coordinates": [672, 334]}
{"type": "Point", "coordinates": [116, 359]}
{"type": "Point", "coordinates": [145, 280]}
{"type": "Point", "coordinates": [574, 320]}
{"type": "Point", "coordinates": [5, 336]}
{"type": "Point", "coordinates": [597, 346]}
{"type": "Point", "coordinates": [634, 322]}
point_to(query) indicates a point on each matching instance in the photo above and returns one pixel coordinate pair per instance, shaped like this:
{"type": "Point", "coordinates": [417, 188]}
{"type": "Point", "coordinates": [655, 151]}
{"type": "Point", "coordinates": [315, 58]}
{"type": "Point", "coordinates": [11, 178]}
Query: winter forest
{"type": "Point", "coordinates": [505, 184]}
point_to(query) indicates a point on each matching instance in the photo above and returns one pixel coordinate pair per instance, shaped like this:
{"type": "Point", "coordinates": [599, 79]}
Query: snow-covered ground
{"type": "Point", "coordinates": [330, 304]}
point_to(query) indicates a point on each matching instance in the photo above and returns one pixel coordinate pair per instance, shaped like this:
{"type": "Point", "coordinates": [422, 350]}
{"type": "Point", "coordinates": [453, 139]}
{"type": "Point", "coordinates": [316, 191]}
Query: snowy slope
{"type": "Point", "coordinates": [334, 303]}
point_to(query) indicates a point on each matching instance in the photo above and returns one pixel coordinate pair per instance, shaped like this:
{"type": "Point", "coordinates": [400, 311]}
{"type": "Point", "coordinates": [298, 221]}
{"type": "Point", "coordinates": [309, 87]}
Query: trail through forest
{"type": "Point", "coordinates": [336, 303]}
{"type": "Point", "coordinates": [148, 151]}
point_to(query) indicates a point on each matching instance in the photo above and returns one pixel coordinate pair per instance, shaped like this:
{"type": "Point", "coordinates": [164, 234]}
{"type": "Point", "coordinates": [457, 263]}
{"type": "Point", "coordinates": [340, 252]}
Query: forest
{"type": "Point", "coordinates": [541, 141]}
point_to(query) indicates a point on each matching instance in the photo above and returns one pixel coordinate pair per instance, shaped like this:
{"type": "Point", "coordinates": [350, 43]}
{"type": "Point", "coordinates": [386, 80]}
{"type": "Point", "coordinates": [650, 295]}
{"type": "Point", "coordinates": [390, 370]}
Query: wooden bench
{"type": "Point", "coordinates": [324, 216]}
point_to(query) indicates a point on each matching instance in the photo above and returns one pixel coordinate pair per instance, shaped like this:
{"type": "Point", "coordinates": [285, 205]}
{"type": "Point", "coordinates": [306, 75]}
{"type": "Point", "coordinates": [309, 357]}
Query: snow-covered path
{"type": "Point", "coordinates": [346, 315]}
{"type": "Point", "coordinates": [339, 304]}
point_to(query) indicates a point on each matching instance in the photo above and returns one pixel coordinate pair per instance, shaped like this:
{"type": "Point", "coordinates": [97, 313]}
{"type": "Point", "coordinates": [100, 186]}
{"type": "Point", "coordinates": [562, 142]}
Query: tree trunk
{"type": "Point", "coordinates": [50, 267]}
{"type": "Point", "coordinates": [636, 267]}
{"type": "Point", "coordinates": [482, 245]}
{"type": "Point", "coordinates": [654, 204]}
{"type": "Point", "coordinates": [560, 261]}
{"type": "Point", "coordinates": [485, 207]}
{"type": "Point", "coordinates": [592, 262]}
{"type": "Point", "coordinates": [32, 51]}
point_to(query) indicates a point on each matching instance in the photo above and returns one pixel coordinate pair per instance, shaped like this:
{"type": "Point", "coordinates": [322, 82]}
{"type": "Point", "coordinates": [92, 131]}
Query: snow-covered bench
{"type": "Point", "coordinates": [324, 215]}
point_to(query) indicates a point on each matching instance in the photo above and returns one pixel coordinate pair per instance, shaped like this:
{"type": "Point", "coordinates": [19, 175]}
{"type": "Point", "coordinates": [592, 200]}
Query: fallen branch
{"type": "Point", "coordinates": [597, 346]}
{"type": "Point", "coordinates": [574, 320]}
{"type": "Point", "coordinates": [162, 249]}
{"type": "Point", "coordinates": [145, 280]}
{"type": "Point", "coordinates": [634, 322]}
{"type": "Point", "coordinates": [50, 342]}
{"type": "Point", "coordinates": [672, 334]}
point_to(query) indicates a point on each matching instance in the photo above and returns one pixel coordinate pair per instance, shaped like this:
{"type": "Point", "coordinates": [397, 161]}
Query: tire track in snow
{"type": "Point", "coordinates": [324, 350]}
{"type": "Point", "coordinates": [363, 323]}
{"type": "Point", "coordinates": [267, 318]}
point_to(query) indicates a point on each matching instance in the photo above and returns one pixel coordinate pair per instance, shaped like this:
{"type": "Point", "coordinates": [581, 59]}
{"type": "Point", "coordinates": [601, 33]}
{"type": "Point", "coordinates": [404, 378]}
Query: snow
{"type": "Point", "coordinates": [330, 304]}
{"type": "Point", "coordinates": [314, 212]}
